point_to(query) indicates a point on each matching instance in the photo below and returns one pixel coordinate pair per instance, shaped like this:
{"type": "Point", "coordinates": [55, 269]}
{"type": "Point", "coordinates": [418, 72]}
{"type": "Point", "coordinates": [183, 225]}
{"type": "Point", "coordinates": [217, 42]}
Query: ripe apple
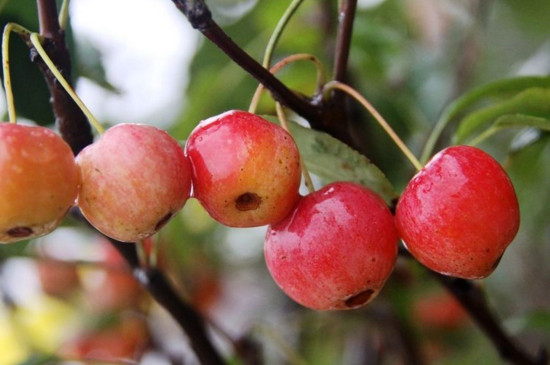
{"type": "Point", "coordinates": [459, 213]}
{"type": "Point", "coordinates": [38, 181]}
{"type": "Point", "coordinates": [246, 170]}
{"type": "Point", "coordinates": [134, 179]}
{"type": "Point", "coordinates": [335, 250]}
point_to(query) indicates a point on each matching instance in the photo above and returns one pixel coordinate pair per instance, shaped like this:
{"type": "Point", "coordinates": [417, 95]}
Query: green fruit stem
{"type": "Point", "coordinates": [35, 40]}
{"type": "Point", "coordinates": [381, 121]}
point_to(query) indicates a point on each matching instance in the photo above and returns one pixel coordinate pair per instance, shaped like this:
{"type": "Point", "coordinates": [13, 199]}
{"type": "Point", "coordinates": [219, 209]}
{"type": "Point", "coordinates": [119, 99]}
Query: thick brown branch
{"type": "Point", "coordinates": [321, 114]}
{"type": "Point", "coordinates": [200, 18]}
{"type": "Point", "coordinates": [157, 284]}
{"type": "Point", "coordinates": [72, 123]}
{"type": "Point", "coordinates": [343, 39]}
{"type": "Point", "coordinates": [280, 92]}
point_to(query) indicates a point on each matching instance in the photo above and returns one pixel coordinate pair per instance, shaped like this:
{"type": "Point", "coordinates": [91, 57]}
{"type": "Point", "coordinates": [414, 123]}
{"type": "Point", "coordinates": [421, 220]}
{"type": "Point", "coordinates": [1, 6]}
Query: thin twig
{"type": "Point", "coordinates": [200, 18]}
{"type": "Point", "coordinates": [343, 39]}
{"type": "Point", "coordinates": [321, 77]}
{"type": "Point", "coordinates": [162, 291]}
{"type": "Point", "coordinates": [379, 119]}
{"type": "Point", "coordinates": [472, 298]}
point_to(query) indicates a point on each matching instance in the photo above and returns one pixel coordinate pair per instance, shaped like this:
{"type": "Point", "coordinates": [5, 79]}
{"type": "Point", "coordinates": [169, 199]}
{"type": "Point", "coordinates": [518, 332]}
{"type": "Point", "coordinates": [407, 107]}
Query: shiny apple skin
{"type": "Point", "coordinates": [38, 181]}
{"type": "Point", "coordinates": [134, 179]}
{"type": "Point", "coordinates": [246, 170]}
{"type": "Point", "coordinates": [336, 250]}
{"type": "Point", "coordinates": [459, 213]}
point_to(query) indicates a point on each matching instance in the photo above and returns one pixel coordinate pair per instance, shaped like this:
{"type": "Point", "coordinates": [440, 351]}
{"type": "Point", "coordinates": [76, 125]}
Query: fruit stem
{"type": "Point", "coordinates": [307, 177]}
{"type": "Point", "coordinates": [321, 75]}
{"type": "Point", "coordinates": [289, 12]}
{"type": "Point", "coordinates": [381, 121]}
{"type": "Point", "coordinates": [35, 40]}
{"type": "Point", "coordinates": [6, 66]}
{"type": "Point", "coordinates": [64, 15]}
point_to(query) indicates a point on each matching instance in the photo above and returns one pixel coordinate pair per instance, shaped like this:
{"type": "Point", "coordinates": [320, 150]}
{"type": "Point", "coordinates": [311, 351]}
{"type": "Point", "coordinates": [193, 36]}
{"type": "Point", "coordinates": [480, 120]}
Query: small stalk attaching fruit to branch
{"type": "Point", "coordinates": [6, 66]}
{"type": "Point", "coordinates": [381, 121]}
{"type": "Point", "coordinates": [35, 40]}
{"type": "Point", "coordinates": [281, 25]}
{"type": "Point", "coordinates": [321, 74]}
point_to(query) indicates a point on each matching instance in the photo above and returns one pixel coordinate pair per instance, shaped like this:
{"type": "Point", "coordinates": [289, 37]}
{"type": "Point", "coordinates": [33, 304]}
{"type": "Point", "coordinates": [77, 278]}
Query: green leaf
{"type": "Point", "coordinates": [496, 90]}
{"type": "Point", "coordinates": [522, 120]}
{"type": "Point", "coordinates": [333, 160]}
{"type": "Point", "coordinates": [533, 102]}
{"type": "Point", "coordinates": [511, 121]}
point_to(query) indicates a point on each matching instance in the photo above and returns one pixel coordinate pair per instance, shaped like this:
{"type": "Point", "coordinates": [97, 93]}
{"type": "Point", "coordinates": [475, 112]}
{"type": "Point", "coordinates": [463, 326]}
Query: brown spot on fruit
{"type": "Point", "coordinates": [20, 232]}
{"type": "Point", "coordinates": [359, 299]}
{"type": "Point", "coordinates": [248, 201]}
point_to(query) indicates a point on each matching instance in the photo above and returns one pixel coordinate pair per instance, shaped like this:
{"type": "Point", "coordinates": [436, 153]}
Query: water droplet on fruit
{"type": "Point", "coordinates": [359, 299]}
{"type": "Point", "coordinates": [248, 201]}
{"type": "Point", "coordinates": [20, 232]}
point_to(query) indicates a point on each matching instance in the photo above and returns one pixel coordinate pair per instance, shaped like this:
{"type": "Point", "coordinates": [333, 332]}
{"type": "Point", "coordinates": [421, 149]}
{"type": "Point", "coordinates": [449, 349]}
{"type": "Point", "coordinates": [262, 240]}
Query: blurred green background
{"type": "Point", "coordinates": [68, 295]}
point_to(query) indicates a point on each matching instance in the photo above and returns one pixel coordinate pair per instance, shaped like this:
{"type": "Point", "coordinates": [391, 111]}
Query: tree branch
{"type": "Point", "coordinates": [72, 123]}
{"type": "Point", "coordinates": [343, 39]}
{"type": "Point", "coordinates": [200, 18]}
{"type": "Point", "coordinates": [157, 284]}
{"type": "Point", "coordinates": [321, 114]}
{"type": "Point", "coordinates": [472, 298]}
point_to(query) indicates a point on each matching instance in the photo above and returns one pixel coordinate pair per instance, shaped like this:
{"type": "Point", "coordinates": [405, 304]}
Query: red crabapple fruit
{"type": "Point", "coordinates": [459, 213]}
{"type": "Point", "coordinates": [134, 179]}
{"type": "Point", "coordinates": [246, 170]}
{"type": "Point", "coordinates": [335, 250]}
{"type": "Point", "coordinates": [38, 181]}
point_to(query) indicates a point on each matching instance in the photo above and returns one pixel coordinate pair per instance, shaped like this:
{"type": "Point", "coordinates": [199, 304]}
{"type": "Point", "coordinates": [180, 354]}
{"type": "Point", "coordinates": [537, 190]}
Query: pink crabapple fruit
{"type": "Point", "coordinates": [134, 179]}
{"type": "Point", "coordinates": [335, 250]}
{"type": "Point", "coordinates": [459, 213]}
{"type": "Point", "coordinates": [246, 170]}
{"type": "Point", "coordinates": [38, 181]}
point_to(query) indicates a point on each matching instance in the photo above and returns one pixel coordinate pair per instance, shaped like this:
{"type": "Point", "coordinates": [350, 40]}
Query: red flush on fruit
{"type": "Point", "coordinates": [246, 170]}
{"type": "Point", "coordinates": [134, 179]}
{"type": "Point", "coordinates": [459, 213]}
{"type": "Point", "coordinates": [336, 250]}
{"type": "Point", "coordinates": [38, 184]}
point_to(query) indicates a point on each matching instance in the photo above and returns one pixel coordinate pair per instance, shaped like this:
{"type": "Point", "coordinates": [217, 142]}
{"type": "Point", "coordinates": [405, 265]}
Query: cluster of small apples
{"type": "Point", "coordinates": [333, 248]}
{"type": "Point", "coordinates": [336, 247]}
{"type": "Point", "coordinates": [127, 184]}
